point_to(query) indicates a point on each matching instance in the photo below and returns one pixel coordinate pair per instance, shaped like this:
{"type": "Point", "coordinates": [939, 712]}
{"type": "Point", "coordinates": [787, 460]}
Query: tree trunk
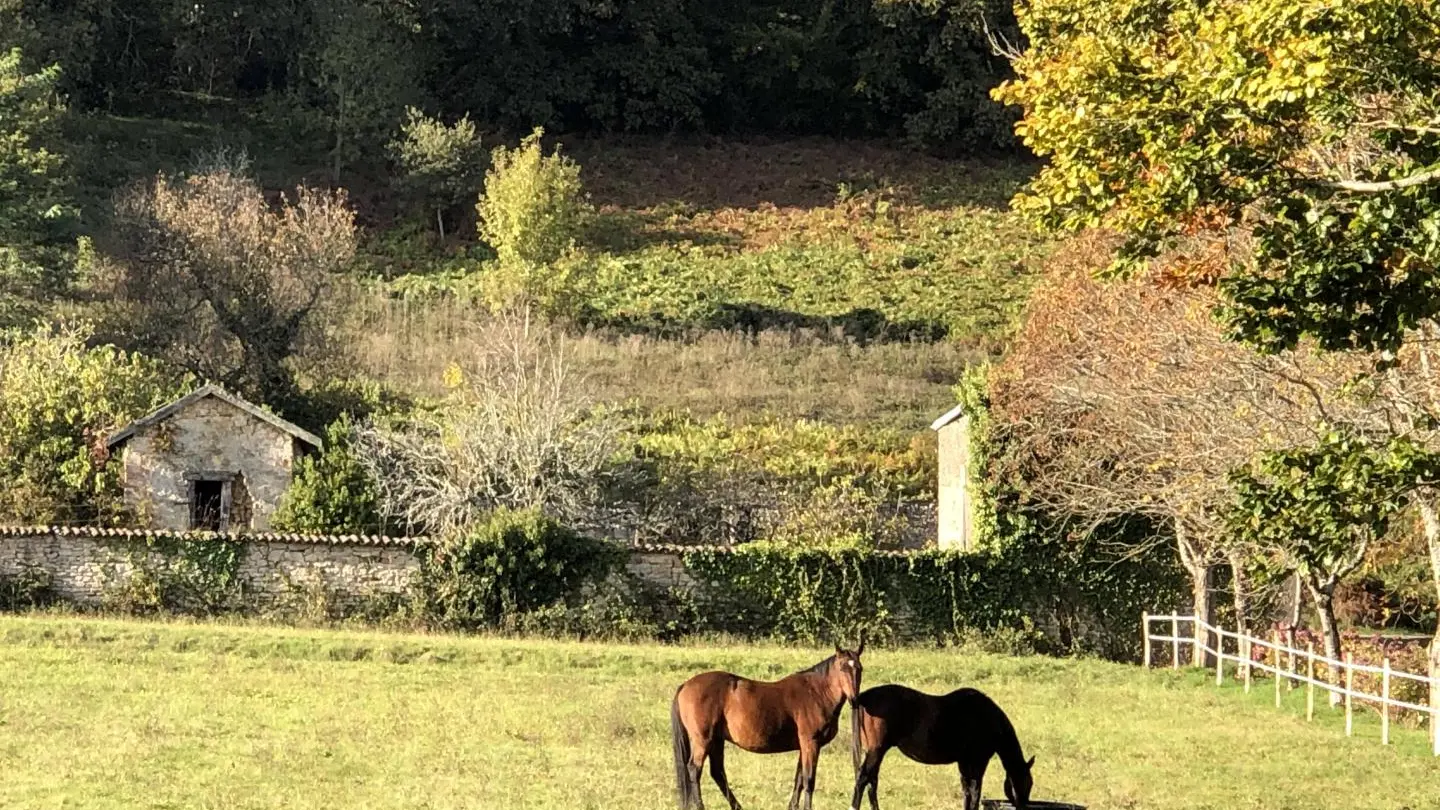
{"type": "Point", "coordinates": [1325, 607]}
{"type": "Point", "coordinates": [339, 130]}
{"type": "Point", "coordinates": [1204, 611]}
{"type": "Point", "coordinates": [1241, 596]}
{"type": "Point", "coordinates": [1430, 516]}
{"type": "Point", "coordinates": [1297, 604]}
{"type": "Point", "coordinates": [1197, 565]}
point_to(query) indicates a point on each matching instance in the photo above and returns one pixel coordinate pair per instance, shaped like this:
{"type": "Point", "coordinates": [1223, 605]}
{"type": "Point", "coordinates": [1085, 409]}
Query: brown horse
{"type": "Point", "coordinates": [964, 727]}
{"type": "Point", "coordinates": [799, 712]}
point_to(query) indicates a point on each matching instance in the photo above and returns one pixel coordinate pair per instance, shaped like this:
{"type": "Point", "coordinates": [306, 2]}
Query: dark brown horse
{"type": "Point", "coordinates": [964, 727]}
{"type": "Point", "coordinates": [799, 712]}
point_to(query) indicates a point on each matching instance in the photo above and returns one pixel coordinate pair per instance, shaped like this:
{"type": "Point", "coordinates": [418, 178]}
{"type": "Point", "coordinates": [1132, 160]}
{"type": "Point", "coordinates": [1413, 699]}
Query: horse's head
{"type": "Point", "coordinates": [1018, 785]}
{"type": "Point", "coordinates": [846, 669]}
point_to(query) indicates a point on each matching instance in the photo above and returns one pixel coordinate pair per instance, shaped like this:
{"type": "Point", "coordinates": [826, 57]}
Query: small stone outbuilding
{"type": "Point", "coordinates": [955, 507]}
{"type": "Point", "coordinates": [208, 461]}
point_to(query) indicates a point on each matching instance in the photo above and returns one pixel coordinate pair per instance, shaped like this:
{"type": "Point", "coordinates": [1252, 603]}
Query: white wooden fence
{"type": "Point", "coordinates": [1285, 664]}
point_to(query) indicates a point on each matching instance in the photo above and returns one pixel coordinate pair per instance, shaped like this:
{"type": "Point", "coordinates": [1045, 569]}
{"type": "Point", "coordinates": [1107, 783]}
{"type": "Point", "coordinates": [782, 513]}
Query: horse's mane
{"type": "Point", "coordinates": [822, 668]}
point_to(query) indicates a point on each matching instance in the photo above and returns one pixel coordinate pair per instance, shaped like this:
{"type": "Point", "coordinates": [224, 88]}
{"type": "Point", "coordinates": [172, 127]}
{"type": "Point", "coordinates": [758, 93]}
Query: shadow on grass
{"type": "Point", "coordinates": [618, 231]}
{"type": "Point", "coordinates": [862, 326]}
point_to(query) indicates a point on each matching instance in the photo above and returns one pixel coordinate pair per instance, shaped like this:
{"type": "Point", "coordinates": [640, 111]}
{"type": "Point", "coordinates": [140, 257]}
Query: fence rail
{"type": "Point", "coordinates": [1284, 663]}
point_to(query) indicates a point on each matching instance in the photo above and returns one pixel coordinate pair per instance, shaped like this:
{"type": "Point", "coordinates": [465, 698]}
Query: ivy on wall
{"type": "Point", "coordinates": [1055, 596]}
{"type": "Point", "coordinates": [184, 573]}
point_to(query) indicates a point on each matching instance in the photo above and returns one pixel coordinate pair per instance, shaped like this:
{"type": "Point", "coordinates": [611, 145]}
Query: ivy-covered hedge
{"type": "Point", "coordinates": [1054, 597]}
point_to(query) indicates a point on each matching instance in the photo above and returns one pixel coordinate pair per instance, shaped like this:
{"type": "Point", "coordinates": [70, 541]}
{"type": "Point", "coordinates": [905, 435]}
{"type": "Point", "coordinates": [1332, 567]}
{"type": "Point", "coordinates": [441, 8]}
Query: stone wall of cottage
{"type": "Point", "coordinates": [208, 436]}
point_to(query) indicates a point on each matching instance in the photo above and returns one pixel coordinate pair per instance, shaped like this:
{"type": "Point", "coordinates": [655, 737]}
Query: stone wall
{"type": "Point", "coordinates": [85, 564]}
{"type": "Point", "coordinates": [209, 435]}
{"type": "Point", "coordinates": [659, 566]}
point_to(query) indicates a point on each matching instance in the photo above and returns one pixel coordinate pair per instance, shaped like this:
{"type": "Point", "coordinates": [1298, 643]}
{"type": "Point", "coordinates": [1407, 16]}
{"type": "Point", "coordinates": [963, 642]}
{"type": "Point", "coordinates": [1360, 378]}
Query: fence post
{"type": "Point", "coordinates": [1434, 683]}
{"type": "Point", "coordinates": [1275, 640]}
{"type": "Point", "coordinates": [1145, 635]}
{"type": "Point", "coordinates": [1219, 657]}
{"type": "Point", "coordinates": [1174, 642]}
{"type": "Point", "coordinates": [1385, 702]}
{"type": "Point", "coordinates": [1290, 657]}
{"type": "Point", "coordinates": [1349, 697]}
{"type": "Point", "coordinates": [1310, 682]}
{"type": "Point", "coordinates": [1245, 652]}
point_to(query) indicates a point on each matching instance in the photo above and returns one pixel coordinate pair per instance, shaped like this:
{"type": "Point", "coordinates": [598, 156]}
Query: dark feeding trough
{"type": "Point", "coordinates": [1035, 804]}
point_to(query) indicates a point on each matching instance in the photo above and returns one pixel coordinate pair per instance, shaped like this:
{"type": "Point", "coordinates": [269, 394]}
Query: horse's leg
{"type": "Point", "coordinates": [972, 779]}
{"type": "Point", "coordinates": [809, 757]}
{"type": "Point", "coordinates": [717, 772]}
{"type": "Point", "coordinates": [868, 777]}
{"type": "Point", "coordinates": [698, 750]}
{"type": "Point", "coordinates": [795, 787]}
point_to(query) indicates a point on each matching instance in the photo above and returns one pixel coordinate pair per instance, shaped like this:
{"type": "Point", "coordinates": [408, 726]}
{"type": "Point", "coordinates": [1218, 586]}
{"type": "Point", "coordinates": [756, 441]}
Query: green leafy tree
{"type": "Point", "coordinates": [1319, 507]}
{"type": "Point", "coordinates": [1310, 127]}
{"type": "Point", "coordinates": [332, 492]}
{"type": "Point", "coordinates": [58, 401]}
{"type": "Point", "coordinates": [441, 165]}
{"type": "Point", "coordinates": [36, 217]}
{"type": "Point", "coordinates": [531, 213]}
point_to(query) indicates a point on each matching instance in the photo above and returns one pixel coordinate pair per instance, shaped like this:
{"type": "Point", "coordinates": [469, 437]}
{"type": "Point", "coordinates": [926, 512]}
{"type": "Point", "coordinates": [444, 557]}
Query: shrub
{"type": "Point", "coordinates": [26, 589]}
{"type": "Point", "coordinates": [58, 400]}
{"type": "Point", "coordinates": [510, 566]}
{"type": "Point", "coordinates": [518, 432]}
{"type": "Point", "coordinates": [531, 213]}
{"type": "Point", "coordinates": [332, 492]}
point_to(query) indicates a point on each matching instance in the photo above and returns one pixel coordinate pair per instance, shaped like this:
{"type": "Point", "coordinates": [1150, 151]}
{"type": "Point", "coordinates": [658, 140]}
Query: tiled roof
{"type": "Point", "coordinates": [210, 390]}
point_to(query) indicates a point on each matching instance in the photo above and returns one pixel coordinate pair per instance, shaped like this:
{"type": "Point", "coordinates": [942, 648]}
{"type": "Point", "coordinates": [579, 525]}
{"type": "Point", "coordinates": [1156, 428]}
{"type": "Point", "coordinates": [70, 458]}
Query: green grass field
{"type": "Point", "coordinates": [123, 714]}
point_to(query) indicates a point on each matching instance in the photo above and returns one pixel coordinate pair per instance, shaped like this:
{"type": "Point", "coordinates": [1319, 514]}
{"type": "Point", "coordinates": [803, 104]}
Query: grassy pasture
{"type": "Point", "coordinates": [125, 714]}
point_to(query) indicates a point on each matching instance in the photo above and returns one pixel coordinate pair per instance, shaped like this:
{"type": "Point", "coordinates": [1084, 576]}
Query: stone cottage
{"type": "Point", "coordinates": [956, 511]}
{"type": "Point", "coordinates": [208, 461]}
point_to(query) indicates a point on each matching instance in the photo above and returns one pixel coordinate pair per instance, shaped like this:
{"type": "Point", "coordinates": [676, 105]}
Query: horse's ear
{"type": "Point", "coordinates": [1030, 764]}
{"type": "Point", "coordinates": [861, 648]}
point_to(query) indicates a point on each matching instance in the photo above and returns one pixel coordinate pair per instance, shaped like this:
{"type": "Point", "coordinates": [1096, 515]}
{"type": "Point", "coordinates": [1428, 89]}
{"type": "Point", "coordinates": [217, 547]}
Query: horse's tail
{"type": "Point", "coordinates": [857, 751]}
{"type": "Point", "coordinates": [680, 739]}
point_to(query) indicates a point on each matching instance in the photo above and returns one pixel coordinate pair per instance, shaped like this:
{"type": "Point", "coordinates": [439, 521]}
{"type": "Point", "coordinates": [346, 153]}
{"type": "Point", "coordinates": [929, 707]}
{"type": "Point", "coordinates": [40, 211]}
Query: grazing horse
{"type": "Point", "coordinates": [964, 727]}
{"type": "Point", "coordinates": [799, 712]}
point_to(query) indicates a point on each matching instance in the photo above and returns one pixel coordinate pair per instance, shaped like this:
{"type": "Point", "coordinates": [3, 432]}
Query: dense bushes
{"type": "Point", "coordinates": [512, 565]}
{"type": "Point", "coordinates": [520, 571]}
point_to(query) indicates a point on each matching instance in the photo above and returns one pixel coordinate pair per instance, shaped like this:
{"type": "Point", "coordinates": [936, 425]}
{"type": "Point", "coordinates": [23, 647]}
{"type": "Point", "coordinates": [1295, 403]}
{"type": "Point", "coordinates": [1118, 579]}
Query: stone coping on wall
{"type": "Point", "coordinates": [254, 537]}
{"type": "Point", "coordinates": [340, 539]}
{"type": "Point", "coordinates": [680, 548]}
